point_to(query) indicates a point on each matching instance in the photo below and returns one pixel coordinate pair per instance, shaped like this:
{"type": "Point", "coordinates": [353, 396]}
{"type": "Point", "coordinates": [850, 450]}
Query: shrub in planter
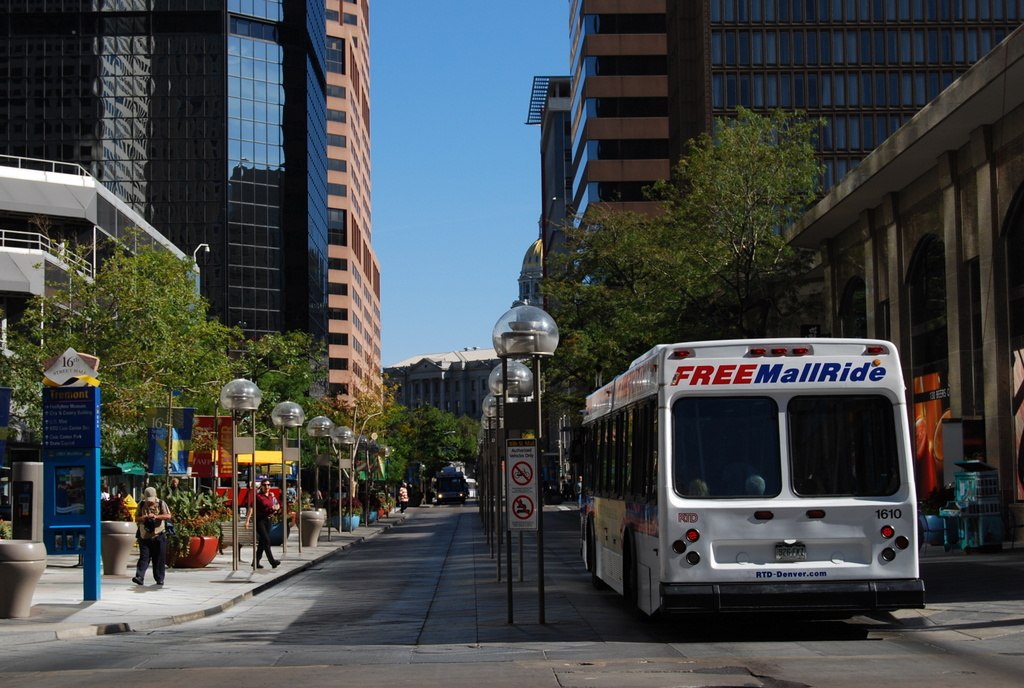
{"type": "Point", "coordinates": [114, 508]}
{"type": "Point", "coordinates": [194, 515]}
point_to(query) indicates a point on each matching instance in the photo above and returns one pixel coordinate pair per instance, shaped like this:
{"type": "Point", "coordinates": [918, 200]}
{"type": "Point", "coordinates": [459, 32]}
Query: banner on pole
{"type": "Point", "coordinates": [180, 435]}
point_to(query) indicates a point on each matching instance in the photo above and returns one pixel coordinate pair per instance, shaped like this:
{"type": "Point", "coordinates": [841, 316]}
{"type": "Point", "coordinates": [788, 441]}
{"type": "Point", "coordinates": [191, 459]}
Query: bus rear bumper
{"type": "Point", "coordinates": [839, 596]}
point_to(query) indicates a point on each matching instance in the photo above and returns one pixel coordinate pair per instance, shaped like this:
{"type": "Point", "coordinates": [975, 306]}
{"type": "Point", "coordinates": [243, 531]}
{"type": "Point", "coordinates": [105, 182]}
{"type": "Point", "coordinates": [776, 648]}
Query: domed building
{"type": "Point", "coordinates": [531, 275]}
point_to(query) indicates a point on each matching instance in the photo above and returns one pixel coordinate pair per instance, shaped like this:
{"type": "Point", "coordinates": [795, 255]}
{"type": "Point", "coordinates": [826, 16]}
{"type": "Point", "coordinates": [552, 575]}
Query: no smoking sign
{"type": "Point", "coordinates": [521, 484]}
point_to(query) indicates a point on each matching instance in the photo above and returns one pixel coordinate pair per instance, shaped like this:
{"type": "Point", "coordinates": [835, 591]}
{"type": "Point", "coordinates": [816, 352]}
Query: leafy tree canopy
{"type": "Point", "coordinates": [141, 315]}
{"type": "Point", "coordinates": [434, 438]}
{"type": "Point", "coordinates": [712, 264]}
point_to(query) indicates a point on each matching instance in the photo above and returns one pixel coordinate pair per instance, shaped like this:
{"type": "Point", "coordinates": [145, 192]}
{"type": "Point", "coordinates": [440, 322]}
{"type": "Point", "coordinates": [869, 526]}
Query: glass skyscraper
{"type": "Point", "coordinates": [208, 117]}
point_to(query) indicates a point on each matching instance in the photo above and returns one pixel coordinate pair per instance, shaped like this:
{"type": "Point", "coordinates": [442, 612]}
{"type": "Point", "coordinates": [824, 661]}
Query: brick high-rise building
{"type": "Point", "coordinates": [649, 75]}
{"type": "Point", "coordinates": [353, 300]}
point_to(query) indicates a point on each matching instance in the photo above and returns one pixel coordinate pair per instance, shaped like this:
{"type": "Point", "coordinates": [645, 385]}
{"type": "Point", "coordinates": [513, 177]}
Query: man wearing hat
{"type": "Point", "coordinates": [152, 515]}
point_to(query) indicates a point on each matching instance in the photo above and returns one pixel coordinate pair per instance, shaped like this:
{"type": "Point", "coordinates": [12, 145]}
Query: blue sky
{"type": "Point", "coordinates": [456, 171]}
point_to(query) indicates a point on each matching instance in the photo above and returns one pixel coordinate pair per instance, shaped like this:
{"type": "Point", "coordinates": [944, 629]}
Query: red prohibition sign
{"type": "Point", "coordinates": [522, 473]}
{"type": "Point", "coordinates": [522, 507]}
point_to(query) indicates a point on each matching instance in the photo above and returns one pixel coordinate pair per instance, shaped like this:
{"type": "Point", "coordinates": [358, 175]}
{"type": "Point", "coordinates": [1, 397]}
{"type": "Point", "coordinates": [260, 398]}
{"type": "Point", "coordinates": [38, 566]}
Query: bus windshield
{"type": "Point", "coordinates": [726, 447]}
{"type": "Point", "coordinates": [843, 445]}
{"type": "Point", "coordinates": [451, 484]}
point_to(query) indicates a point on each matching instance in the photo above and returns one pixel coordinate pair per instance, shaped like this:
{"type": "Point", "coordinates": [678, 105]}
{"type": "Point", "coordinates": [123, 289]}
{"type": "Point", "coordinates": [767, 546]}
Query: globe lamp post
{"type": "Point", "coordinates": [288, 415]}
{"type": "Point", "coordinates": [529, 331]}
{"type": "Point", "coordinates": [318, 427]}
{"type": "Point", "coordinates": [239, 396]}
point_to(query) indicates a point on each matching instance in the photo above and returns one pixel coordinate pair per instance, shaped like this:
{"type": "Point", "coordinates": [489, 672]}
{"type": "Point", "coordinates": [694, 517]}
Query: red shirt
{"type": "Point", "coordinates": [265, 505]}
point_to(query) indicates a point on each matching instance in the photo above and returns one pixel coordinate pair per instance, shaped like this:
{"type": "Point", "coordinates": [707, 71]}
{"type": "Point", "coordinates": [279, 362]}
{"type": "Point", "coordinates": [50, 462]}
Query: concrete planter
{"type": "Point", "coordinates": [347, 523]}
{"type": "Point", "coordinates": [202, 550]}
{"type": "Point", "coordinates": [312, 521]}
{"type": "Point", "coordinates": [116, 543]}
{"type": "Point", "coordinates": [277, 534]}
{"type": "Point", "coordinates": [22, 563]}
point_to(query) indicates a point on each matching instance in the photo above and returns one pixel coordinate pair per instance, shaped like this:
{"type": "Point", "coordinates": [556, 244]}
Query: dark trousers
{"type": "Point", "coordinates": [154, 549]}
{"type": "Point", "coordinates": [263, 540]}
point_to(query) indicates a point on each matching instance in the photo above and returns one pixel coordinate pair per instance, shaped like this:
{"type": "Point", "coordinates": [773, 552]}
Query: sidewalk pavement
{"type": "Point", "coordinates": [59, 611]}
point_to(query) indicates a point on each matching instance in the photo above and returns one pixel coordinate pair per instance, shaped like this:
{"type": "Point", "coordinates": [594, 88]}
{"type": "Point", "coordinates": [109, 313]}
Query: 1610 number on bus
{"type": "Point", "coordinates": [886, 514]}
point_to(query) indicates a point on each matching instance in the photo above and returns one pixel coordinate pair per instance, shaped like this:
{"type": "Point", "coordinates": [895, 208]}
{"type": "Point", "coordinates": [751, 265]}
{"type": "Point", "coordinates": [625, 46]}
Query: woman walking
{"type": "Point", "coordinates": [266, 506]}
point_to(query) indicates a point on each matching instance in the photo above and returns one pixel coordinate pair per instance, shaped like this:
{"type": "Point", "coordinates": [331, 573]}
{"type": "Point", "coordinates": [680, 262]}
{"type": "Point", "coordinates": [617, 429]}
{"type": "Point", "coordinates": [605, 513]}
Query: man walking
{"type": "Point", "coordinates": [152, 515]}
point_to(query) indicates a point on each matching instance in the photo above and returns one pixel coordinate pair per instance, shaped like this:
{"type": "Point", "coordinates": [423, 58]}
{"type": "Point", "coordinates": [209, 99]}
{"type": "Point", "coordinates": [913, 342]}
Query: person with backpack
{"type": "Point", "coordinates": [152, 515]}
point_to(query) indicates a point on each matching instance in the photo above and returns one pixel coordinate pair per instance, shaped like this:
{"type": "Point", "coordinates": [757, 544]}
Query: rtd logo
{"type": "Point", "coordinates": [687, 517]}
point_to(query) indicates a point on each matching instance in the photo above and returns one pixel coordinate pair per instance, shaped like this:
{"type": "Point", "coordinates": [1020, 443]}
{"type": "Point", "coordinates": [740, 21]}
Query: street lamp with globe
{"type": "Point", "coordinates": [528, 331]}
{"type": "Point", "coordinates": [239, 396]}
{"type": "Point", "coordinates": [287, 415]}
{"type": "Point", "coordinates": [342, 436]}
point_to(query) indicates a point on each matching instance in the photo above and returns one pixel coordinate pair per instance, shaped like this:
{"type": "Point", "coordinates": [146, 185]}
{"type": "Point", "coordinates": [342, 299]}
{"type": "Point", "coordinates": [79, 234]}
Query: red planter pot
{"type": "Point", "coordinates": [201, 552]}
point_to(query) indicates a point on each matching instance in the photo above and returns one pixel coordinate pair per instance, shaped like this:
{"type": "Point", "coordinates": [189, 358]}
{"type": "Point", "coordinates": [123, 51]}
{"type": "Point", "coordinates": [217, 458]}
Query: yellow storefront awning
{"type": "Point", "coordinates": [263, 458]}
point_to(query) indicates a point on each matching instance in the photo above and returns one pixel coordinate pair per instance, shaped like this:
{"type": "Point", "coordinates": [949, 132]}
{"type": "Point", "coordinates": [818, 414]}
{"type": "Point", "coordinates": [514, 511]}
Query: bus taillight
{"type": "Point", "coordinates": [888, 532]}
{"type": "Point", "coordinates": [682, 353]}
{"type": "Point", "coordinates": [801, 350]}
{"type": "Point", "coordinates": [763, 515]}
{"type": "Point", "coordinates": [758, 351]}
{"type": "Point", "coordinates": [692, 535]}
{"type": "Point", "coordinates": [779, 351]}
{"type": "Point", "coordinates": [875, 350]}
{"type": "Point", "coordinates": [815, 513]}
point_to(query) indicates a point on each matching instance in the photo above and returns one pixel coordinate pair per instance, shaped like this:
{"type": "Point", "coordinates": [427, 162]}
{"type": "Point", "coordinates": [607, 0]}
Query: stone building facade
{"type": "Point", "coordinates": [923, 244]}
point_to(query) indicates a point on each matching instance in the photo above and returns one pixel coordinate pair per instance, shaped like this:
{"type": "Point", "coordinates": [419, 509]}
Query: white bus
{"type": "Point", "coordinates": [773, 475]}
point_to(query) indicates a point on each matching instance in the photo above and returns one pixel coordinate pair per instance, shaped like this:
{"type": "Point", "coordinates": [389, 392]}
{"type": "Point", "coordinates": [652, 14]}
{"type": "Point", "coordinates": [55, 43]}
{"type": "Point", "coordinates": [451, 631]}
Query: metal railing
{"type": "Point", "coordinates": [42, 165]}
{"type": "Point", "coordinates": [34, 241]}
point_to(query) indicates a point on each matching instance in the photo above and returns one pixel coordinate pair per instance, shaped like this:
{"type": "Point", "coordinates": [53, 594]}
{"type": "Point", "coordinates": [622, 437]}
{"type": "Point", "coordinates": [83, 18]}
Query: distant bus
{"type": "Point", "coordinates": [769, 475]}
{"type": "Point", "coordinates": [450, 486]}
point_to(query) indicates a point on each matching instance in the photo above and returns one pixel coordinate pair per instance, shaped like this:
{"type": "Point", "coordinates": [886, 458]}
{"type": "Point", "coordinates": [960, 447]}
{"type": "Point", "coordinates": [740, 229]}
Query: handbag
{"type": "Point", "coordinates": [169, 523]}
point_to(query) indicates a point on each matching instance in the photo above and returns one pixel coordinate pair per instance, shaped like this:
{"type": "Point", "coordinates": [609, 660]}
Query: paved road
{"type": "Point", "coordinates": [419, 605]}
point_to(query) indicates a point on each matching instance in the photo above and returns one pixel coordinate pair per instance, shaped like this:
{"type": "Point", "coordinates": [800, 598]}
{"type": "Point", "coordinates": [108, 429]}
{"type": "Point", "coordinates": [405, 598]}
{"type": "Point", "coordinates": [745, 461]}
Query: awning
{"type": "Point", "coordinates": [113, 468]}
{"type": "Point", "coordinates": [18, 274]}
{"type": "Point", "coordinates": [262, 458]}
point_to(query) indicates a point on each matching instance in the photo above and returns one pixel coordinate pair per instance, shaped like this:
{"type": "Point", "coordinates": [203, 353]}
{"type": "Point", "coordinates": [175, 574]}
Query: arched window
{"type": "Point", "coordinates": [853, 311]}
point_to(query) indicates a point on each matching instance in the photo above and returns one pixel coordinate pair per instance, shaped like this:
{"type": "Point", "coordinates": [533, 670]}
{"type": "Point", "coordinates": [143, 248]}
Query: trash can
{"type": "Point", "coordinates": [312, 522]}
{"type": "Point", "coordinates": [976, 493]}
{"type": "Point", "coordinates": [22, 563]}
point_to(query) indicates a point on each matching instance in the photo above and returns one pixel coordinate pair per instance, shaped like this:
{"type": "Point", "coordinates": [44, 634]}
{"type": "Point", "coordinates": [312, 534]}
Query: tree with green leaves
{"type": "Point", "coordinates": [713, 264]}
{"type": "Point", "coordinates": [731, 197]}
{"type": "Point", "coordinates": [141, 315]}
{"type": "Point", "coordinates": [285, 366]}
{"type": "Point", "coordinates": [433, 438]}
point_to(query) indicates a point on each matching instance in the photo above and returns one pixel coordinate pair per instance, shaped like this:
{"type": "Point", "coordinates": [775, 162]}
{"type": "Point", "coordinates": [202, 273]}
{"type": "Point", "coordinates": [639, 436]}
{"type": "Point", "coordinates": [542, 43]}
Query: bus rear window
{"type": "Point", "coordinates": [843, 446]}
{"type": "Point", "coordinates": [726, 447]}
